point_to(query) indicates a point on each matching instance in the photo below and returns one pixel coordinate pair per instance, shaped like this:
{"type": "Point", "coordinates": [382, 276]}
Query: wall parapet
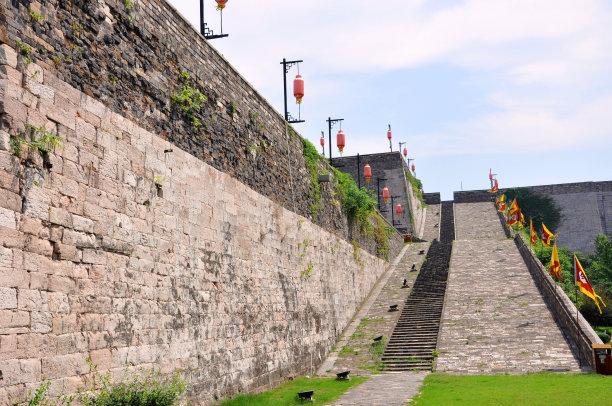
{"type": "Point", "coordinates": [564, 311]}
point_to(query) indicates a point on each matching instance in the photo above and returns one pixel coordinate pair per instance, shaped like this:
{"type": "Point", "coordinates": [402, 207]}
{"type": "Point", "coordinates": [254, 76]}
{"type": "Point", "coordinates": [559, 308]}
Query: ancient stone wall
{"type": "Point", "coordinates": [133, 60]}
{"type": "Point", "coordinates": [125, 248]}
{"type": "Point", "coordinates": [391, 167]}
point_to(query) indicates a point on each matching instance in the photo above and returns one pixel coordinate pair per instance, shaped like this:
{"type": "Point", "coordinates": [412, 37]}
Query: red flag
{"type": "Point", "coordinates": [581, 280]}
{"type": "Point", "coordinates": [534, 236]}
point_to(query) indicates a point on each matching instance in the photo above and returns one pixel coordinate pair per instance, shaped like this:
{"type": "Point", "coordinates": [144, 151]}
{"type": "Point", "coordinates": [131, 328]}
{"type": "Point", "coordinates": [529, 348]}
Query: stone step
{"type": "Point", "coordinates": [415, 335]}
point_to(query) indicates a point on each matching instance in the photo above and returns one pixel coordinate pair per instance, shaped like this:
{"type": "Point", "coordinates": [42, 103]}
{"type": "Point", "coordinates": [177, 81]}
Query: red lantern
{"type": "Point", "coordinates": [385, 194]}
{"type": "Point", "coordinates": [422, 192]}
{"type": "Point", "coordinates": [341, 140]}
{"type": "Point", "coordinates": [412, 167]}
{"type": "Point", "coordinates": [490, 176]}
{"type": "Point", "coordinates": [496, 185]}
{"type": "Point", "coordinates": [405, 152]}
{"type": "Point", "coordinates": [389, 134]}
{"type": "Point", "coordinates": [221, 4]}
{"type": "Point", "coordinates": [367, 172]}
{"type": "Point", "coordinates": [398, 209]}
{"type": "Point", "coordinates": [322, 141]}
{"type": "Point", "coordinates": [298, 88]}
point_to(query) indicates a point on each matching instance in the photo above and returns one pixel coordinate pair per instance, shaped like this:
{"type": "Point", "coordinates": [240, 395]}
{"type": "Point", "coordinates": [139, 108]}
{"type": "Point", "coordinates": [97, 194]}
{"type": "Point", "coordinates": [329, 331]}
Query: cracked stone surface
{"type": "Point", "coordinates": [494, 319]}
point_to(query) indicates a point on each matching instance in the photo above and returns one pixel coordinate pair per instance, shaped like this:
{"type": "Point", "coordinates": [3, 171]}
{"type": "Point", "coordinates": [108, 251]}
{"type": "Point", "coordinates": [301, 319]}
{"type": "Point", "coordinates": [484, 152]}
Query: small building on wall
{"type": "Point", "coordinates": [389, 170]}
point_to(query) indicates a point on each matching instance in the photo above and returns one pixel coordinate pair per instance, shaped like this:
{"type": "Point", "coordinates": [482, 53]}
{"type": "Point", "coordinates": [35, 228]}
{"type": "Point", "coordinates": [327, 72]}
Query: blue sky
{"type": "Point", "coordinates": [523, 87]}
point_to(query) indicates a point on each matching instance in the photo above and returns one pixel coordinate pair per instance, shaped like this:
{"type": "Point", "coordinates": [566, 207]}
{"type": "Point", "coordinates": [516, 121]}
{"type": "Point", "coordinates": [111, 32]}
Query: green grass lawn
{"type": "Point", "coordinates": [326, 390]}
{"type": "Point", "coordinates": [546, 389]}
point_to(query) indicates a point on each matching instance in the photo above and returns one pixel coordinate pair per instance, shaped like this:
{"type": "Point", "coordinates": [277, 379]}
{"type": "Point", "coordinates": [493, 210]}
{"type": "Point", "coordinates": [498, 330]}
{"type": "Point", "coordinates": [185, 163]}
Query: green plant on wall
{"type": "Point", "coordinates": [42, 140]}
{"type": "Point", "coordinates": [417, 186]}
{"type": "Point", "coordinates": [311, 157]}
{"type": "Point", "coordinates": [188, 100]}
{"type": "Point", "coordinates": [25, 51]}
{"type": "Point", "coordinates": [35, 16]}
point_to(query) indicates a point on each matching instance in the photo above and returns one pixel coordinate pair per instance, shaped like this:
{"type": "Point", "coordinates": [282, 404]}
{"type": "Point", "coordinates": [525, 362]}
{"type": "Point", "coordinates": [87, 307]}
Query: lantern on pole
{"type": "Point", "coordinates": [405, 152]}
{"type": "Point", "coordinates": [367, 172]}
{"type": "Point", "coordinates": [298, 89]}
{"type": "Point", "coordinates": [221, 4]}
{"type": "Point", "coordinates": [386, 194]}
{"type": "Point", "coordinates": [389, 137]}
{"type": "Point", "coordinates": [398, 209]}
{"type": "Point", "coordinates": [341, 141]}
{"type": "Point", "coordinates": [323, 142]}
{"type": "Point", "coordinates": [413, 167]}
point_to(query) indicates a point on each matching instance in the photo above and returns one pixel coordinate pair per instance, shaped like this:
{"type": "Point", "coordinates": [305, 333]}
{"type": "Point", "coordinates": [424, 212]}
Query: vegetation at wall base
{"type": "Point", "coordinates": [541, 389]}
{"type": "Point", "coordinates": [326, 390]}
{"type": "Point", "coordinates": [138, 387]}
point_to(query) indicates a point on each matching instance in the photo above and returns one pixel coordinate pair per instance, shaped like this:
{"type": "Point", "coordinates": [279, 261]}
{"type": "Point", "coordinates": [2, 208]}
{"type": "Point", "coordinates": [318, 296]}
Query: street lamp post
{"type": "Point", "coordinates": [330, 123]}
{"type": "Point", "coordinates": [286, 66]}
{"type": "Point", "coordinates": [204, 30]}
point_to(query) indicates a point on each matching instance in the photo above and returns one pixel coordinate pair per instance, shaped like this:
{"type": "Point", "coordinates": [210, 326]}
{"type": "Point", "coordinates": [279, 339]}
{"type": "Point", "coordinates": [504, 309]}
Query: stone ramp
{"type": "Point", "coordinates": [431, 231]}
{"type": "Point", "coordinates": [475, 221]}
{"type": "Point", "coordinates": [494, 318]}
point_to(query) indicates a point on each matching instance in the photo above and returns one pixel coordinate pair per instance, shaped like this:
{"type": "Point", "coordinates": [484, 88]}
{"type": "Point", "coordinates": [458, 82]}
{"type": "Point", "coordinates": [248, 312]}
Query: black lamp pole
{"type": "Point", "coordinates": [400, 146]}
{"type": "Point", "coordinates": [330, 124]}
{"type": "Point", "coordinates": [358, 172]}
{"type": "Point", "coordinates": [286, 66]}
{"type": "Point", "coordinates": [204, 30]}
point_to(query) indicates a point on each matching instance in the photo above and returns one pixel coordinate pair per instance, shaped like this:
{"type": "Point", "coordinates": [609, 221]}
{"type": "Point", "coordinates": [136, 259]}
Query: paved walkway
{"type": "Point", "coordinates": [390, 389]}
{"type": "Point", "coordinates": [494, 319]}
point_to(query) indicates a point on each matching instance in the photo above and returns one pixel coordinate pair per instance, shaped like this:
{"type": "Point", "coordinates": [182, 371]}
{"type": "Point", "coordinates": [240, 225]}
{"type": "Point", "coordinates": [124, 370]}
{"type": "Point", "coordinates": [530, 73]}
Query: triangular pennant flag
{"type": "Point", "coordinates": [581, 280]}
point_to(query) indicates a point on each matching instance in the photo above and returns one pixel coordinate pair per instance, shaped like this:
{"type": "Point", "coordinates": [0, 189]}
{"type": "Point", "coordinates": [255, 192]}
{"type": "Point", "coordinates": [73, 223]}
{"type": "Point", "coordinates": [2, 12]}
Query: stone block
{"type": "Point", "coordinates": [79, 239]}
{"type": "Point", "coordinates": [64, 185]}
{"type": "Point", "coordinates": [14, 77]}
{"type": "Point", "coordinates": [38, 246]}
{"type": "Point", "coordinates": [12, 319]}
{"type": "Point", "coordinates": [60, 216]}
{"type": "Point", "coordinates": [14, 109]}
{"type": "Point", "coordinates": [5, 141]}
{"type": "Point", "coordinates": [93, 106]}
{"type": "Point", "coordinates": [8, 218]}
{"type": "Point", "coordinates": [85, 129]}
{"type": "Point", "coordinates": [32, 300]}
{"type": "Point", "coordinates": [11, 277]}
{"type": "Point", "coordinates": [61, 366]}
{"type": "Point", "coordinates": [58, 302]}
{"type": "Point", "coordinates": [82, 224]}
{"type": "Point", "coordinates": [10, 200]}
{"type": "Point", "coordinates": [41, 322]}
{"type": "Point", "coordinates": [61, 284]}
{"type": "Point", "coordinates": [8, 298]}
{"type": "Point", "coordinates": [8, 56]}
{"type": "Point", "coordinates": [102, 358]}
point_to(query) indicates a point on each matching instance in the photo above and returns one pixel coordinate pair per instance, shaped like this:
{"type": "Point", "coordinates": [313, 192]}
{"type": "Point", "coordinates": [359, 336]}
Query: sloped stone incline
{"type": "Point", "coordinates": [477, 221]}
{"type": "Point", "coordinates": [494, 318]}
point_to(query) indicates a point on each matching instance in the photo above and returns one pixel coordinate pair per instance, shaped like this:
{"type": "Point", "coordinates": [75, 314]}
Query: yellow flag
{"type": "Point", "coordinates": [514, 207]}
{"type": "Point", "coordinates": [546, 236]}
{"type": "Point", "coordinates": [581, 280]}
{"type": "Point", "coordinates": [555, 265]}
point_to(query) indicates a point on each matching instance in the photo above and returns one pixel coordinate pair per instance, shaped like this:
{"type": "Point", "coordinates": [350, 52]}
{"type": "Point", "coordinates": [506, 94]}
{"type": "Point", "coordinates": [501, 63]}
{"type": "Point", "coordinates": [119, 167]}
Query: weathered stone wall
{"type": "Point", "coordinates": [127, 249]}
{"type": "Point", "coordinates": [586, 210]}
{"type": "Point", "coordinates": [131, 60]}
{"type": "Point", "coordinates": [392, 167]}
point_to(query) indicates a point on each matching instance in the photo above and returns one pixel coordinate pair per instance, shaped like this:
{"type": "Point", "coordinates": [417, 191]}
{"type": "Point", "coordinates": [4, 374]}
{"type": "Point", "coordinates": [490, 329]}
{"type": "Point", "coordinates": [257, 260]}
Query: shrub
{"type": "Point", "coordinates": [605, 337]}
{"type": "Point", "coordinates": [539, 208]}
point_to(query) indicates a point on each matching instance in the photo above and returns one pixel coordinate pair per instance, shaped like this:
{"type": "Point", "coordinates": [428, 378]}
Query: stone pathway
{"type": "Point", "coordinates": [390, 389]}
{"type": "Point", "coordinates": [353, 350]}
{"type": "Point", "coordinates": [432, 223]}
{"type": "Point", "coordinates": [494, 319]}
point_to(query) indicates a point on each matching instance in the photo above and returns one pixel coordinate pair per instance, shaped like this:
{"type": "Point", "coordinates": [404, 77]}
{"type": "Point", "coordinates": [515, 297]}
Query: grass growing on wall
{"type": "Point", "coordinates": [417, 186]}
{"type": "Point", "coordinates": [326, 390]}
{"type": "Point", "coordinates": [311, 155]}
{"type": "Point", "coordinates": [545, 389]}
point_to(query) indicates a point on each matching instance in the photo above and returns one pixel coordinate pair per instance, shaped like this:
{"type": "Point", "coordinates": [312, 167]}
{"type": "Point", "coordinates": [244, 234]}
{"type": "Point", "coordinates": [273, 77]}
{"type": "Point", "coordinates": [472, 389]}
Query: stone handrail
{"type": "Point", "coordinates": [564, 311]}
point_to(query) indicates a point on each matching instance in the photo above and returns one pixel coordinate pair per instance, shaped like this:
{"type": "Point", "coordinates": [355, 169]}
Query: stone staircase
{"type": "Point", "coordinates": [415, 335]}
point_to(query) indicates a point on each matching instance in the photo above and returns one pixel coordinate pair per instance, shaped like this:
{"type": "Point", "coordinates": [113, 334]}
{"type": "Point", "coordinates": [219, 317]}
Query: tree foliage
{"type": "Point", "coordinates": [537, 207]}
